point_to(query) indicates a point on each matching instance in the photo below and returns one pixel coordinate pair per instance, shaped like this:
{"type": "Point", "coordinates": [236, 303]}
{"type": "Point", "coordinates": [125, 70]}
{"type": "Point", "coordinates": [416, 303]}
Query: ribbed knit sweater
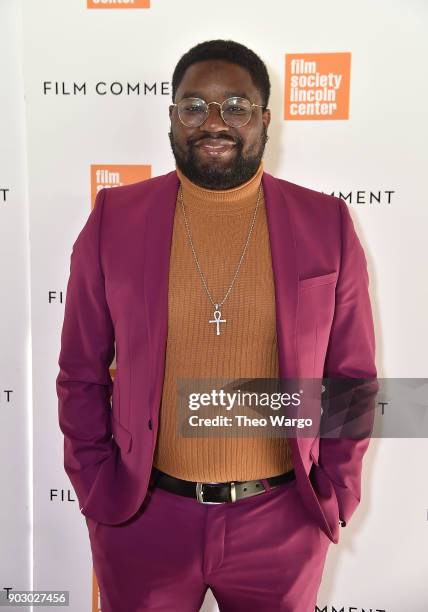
{"type": "Point", "coordinates": [219, 221]}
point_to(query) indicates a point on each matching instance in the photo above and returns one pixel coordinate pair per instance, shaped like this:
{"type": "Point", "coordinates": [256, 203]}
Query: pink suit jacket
{"type": "Point", "coordinates": [117, 293]}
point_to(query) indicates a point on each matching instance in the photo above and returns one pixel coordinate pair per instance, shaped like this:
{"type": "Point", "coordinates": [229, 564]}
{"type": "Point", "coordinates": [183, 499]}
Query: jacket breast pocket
{"type": "Point", "coordinates": [316, 304]}
{"type": "Point", "coordinates": [316, 281]}
{"type": "Point", "coordinates": [317, 300]}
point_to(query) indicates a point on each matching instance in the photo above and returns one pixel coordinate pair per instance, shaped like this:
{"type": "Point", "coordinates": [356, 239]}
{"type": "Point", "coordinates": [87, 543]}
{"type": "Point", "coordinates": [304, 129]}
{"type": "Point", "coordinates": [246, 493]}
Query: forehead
{"type": "Point", "coordinates": [217, 79]}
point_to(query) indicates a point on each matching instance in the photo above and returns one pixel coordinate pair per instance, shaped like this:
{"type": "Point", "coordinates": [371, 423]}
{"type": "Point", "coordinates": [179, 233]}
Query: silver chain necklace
{"type": "Point", "coordinates": [217, 313]}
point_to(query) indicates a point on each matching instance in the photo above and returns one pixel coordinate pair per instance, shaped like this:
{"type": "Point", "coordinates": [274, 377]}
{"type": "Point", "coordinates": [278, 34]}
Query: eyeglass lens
{"type": "Point", "coordinates": [193, 111]}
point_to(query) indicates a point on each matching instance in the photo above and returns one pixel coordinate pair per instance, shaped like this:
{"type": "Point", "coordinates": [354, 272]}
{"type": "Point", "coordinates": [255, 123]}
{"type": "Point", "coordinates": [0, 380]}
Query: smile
{"type": "Point", "coordinates": [213, 148]}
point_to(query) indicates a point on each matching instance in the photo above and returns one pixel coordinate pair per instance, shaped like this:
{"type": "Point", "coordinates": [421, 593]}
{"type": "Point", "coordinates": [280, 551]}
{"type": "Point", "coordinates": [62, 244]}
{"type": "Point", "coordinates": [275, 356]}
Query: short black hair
{"type": "Point", "coordinates": [230, 51]}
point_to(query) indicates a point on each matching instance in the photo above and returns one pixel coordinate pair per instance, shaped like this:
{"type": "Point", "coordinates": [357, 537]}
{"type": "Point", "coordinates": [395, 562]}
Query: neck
{"type": "Point", "coordinates": [232, 200]}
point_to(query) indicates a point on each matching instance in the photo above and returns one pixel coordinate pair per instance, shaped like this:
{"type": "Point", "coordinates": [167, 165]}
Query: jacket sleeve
{"type": "Point", "coordinates": [84, 384]}
{"type": "Point", "coordinates": [350, 354]}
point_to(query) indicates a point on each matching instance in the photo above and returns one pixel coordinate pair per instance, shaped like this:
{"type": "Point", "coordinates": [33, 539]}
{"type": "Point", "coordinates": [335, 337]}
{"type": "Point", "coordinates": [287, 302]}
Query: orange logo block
{"type": "Point", "coordinates": [118, 4]}
{"type": "Point", "coordinates": [317, 86]}
{"type": "Point", "coordinates": [114, 175]}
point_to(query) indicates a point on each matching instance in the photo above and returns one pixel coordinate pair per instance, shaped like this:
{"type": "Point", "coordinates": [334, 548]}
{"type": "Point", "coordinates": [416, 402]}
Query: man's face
{"type": "Point", "coordinates": [238, 160]}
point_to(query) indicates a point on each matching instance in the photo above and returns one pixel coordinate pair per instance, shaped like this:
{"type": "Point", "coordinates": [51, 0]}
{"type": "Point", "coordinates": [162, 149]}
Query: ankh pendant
{"type": "Point", "coordinates": [217, 319]}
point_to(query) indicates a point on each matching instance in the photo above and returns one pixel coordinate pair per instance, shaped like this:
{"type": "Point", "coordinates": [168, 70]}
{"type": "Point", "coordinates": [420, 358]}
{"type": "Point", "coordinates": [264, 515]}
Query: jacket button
{"type": "Point", "coordinates": [150, 424]}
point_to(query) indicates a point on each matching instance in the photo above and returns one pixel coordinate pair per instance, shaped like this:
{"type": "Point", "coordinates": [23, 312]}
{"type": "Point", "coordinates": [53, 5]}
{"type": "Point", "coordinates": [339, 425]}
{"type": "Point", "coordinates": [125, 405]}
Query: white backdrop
{"type": "Point", "coordinates": [58, 130]}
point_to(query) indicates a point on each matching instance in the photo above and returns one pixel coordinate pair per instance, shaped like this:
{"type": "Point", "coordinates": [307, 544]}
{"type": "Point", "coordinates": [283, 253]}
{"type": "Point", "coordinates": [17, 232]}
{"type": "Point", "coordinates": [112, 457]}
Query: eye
{"type": "Point", "coordinates": [238, 106]}
{"type": "Point", "coordinates": [192, 107]}
{"type": "Point", "coordinates": [235, 109]}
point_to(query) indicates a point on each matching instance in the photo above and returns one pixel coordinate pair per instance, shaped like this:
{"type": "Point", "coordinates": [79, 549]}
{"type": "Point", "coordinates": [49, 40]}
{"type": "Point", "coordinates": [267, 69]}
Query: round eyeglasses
{"type": "Point", "coordinates": [235, 111]}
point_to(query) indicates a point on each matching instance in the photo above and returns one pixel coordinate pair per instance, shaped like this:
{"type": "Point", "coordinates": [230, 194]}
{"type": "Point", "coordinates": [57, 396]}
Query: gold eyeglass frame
{"type": "Point", "coordinates": [221, 110]}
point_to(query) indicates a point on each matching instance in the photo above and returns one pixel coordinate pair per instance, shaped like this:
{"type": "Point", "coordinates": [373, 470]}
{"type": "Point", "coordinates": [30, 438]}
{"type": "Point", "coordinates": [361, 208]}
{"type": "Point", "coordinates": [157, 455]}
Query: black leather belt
{"type": "Point", "coordinates": [217, 492]}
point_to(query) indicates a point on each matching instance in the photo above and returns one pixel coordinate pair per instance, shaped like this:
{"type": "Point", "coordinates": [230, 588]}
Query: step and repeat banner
{"type": "Point", "coordinates": [86, 86]}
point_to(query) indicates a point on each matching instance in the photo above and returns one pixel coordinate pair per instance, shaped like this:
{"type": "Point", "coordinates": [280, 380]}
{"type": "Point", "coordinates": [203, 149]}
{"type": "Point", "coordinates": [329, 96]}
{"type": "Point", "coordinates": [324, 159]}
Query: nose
{"type": "Point", "coordinates": [214, 121]}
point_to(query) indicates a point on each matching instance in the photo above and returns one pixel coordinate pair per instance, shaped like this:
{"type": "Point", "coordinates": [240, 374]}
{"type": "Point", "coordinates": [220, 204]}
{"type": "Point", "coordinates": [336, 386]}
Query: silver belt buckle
{"type": "Point", "coordinates": [200, 492]}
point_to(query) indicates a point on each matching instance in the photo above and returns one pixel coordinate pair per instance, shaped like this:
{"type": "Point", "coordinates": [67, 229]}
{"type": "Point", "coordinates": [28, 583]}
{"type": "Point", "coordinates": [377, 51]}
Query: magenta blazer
{"type": "Point", "coordinates": [117, 293]}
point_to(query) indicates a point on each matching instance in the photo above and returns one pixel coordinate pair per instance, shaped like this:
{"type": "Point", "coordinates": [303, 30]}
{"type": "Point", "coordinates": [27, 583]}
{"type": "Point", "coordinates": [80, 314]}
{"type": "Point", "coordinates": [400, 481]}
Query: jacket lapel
{"type": "Point", "coordinates": [286, 279]}
{"type": "Point", "coordinates": [157, 248]}
{"type": "Point", "coordinates": [285, 273]}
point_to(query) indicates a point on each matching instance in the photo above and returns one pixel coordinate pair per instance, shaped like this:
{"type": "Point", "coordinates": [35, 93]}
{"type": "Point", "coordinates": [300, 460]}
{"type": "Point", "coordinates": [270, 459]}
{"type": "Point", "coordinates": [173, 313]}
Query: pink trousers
{"type": "Point", "coordinates": [259, 554]}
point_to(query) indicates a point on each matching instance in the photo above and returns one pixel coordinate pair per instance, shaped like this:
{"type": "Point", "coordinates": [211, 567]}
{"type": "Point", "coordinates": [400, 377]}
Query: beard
{"type": "Point", "coordinates": [218, 176]}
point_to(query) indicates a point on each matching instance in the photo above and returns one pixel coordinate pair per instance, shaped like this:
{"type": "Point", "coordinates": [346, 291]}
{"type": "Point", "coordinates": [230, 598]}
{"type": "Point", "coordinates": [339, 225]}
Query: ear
{"type": "Point", "coordinates": [266, 117]}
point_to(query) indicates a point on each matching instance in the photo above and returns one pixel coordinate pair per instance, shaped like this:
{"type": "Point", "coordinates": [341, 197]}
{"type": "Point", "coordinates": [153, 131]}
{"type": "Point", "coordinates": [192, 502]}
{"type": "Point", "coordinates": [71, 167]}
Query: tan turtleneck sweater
{"type": "Point", "coordinates": [219, 222]}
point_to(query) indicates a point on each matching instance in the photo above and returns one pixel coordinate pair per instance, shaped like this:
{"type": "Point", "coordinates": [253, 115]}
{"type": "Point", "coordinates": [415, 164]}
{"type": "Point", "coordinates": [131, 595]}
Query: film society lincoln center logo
{"type": "Point", "coordinates": [115, 175]}
{"type": "Point", "coordinates": [118, 4]}
{"type": "Point", "coordinates": [317, 86]}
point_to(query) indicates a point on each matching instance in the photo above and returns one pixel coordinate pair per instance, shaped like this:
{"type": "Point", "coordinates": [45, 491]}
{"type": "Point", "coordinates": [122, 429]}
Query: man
{"type": "Point", "coordinates": [216, 269]}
